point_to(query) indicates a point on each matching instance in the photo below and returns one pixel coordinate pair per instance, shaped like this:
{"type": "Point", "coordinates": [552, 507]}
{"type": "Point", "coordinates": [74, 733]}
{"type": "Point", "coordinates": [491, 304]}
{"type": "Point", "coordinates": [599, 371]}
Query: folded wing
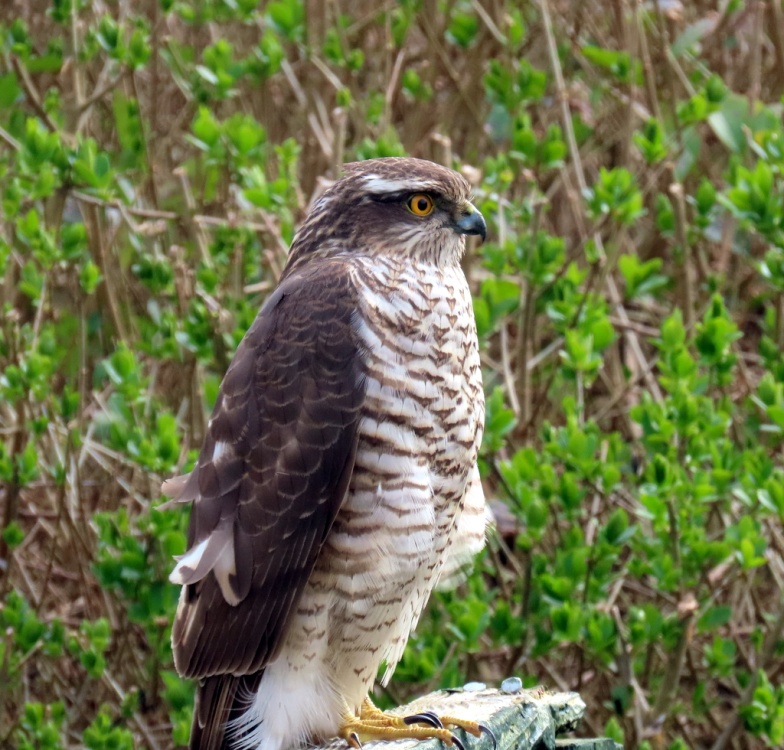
{"type": "Point", "coordinates": [271, 475]}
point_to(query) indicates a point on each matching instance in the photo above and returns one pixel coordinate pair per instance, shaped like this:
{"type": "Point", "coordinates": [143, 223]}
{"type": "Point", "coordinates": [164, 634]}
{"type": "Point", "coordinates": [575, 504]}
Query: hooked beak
{"type": "Point", "coordinates": [471, 221]}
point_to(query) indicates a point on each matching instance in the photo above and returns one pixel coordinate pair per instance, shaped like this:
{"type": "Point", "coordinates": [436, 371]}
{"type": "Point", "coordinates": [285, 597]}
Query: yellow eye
{"type": "Point", "coordinates": [420, 204]}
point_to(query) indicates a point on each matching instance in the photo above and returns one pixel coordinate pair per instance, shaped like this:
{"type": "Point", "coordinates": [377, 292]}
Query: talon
{"type": "Point", "coordinates": [486, 729]}
{"type": "Point", "coordinates": [426, 717]}
{"type": "Point", "coordinates": [353, 740]}
{"type": "Point", "coordinates": [457, 742]}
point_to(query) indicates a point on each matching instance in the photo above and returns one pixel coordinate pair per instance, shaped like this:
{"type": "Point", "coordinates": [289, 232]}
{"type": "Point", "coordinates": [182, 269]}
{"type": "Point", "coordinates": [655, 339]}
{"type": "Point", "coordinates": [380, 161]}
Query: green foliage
{"type": "Point", "coordinates": [91, 646]}
{"type": "Point", "coordinates": [41, 727]}
{"type": "Point", "coordinates": [641, 277]}
{"type": "Point", "coordinates": [764, 716]}
{"type": "Point", "coordinates": [615, 195]}
{"type": "Point", "coordinates": [620, 63]}
{"type": "Point", "coordinates": [651, 141]}
{"type": "Point", "coordinates": [154, 164]}
{"type": "Point", "coordinates": [102, 734]}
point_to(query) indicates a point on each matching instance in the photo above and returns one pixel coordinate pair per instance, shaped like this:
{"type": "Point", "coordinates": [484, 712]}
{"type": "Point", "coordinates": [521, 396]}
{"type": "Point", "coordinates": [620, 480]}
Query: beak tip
{"type": "Point", "coordinates": [472, 223]}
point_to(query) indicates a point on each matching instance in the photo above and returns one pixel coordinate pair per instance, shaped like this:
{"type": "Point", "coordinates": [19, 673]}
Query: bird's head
{"type": "Point", "coordinates": [393, 206]}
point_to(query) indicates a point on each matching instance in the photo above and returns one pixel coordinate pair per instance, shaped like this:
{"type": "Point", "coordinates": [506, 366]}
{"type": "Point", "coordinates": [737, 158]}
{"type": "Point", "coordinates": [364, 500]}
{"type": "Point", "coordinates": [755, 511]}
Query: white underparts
{"type": "Point", "coordinates": [291, 709]}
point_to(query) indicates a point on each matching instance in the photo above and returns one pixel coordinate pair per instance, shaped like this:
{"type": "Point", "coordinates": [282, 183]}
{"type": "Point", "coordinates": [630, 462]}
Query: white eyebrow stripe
{"type": "Point", "coordinates": [377, 184]}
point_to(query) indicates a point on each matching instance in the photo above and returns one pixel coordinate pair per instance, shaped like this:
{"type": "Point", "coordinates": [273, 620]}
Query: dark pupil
{"type": "Point", "coordinates": [422, 204]}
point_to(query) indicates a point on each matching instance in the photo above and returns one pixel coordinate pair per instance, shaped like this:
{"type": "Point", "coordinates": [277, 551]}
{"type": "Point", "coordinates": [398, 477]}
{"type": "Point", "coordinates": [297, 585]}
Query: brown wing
{"type": "Point", "coordinates": [271, 476]}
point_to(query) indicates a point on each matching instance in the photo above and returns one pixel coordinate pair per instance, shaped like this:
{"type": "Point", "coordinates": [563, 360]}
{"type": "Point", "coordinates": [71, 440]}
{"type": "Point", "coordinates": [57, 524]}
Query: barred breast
{"type": "Point", "coordinates": [419, 436]}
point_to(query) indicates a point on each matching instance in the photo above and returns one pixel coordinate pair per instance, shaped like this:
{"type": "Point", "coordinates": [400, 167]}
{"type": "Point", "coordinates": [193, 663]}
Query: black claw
{"type": "Point", "coordinates": [458, 743]}
{"type": "Point", "coordinates": [354, 737]}
{"type": "Point", "coordinates": [426, 717]}
{"type": "Point", "coordinates": [486, 729]}
{"type": "Point", "coordinates": [435, 718]}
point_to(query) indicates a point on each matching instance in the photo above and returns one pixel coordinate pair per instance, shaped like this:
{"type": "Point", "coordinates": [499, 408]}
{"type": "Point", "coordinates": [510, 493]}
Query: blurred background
{"type": "Point", "coordinates": [156, 157]}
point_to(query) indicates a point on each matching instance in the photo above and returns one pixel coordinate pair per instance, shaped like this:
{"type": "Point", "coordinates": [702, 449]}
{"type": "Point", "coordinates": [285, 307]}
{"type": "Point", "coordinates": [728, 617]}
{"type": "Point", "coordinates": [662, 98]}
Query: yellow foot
{"type": "Point", "coordinates": [373, 724]}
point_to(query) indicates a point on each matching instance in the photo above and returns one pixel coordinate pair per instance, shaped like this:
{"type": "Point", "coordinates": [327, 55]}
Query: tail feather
{"type": "Point", "coordinates": [219, 700]}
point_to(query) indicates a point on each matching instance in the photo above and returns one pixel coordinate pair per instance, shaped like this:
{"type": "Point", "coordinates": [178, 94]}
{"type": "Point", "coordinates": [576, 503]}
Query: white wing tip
{"type": "Point", "coordinates": [187, 564]}
{"type": "Point", "coordinates": [216, 554]}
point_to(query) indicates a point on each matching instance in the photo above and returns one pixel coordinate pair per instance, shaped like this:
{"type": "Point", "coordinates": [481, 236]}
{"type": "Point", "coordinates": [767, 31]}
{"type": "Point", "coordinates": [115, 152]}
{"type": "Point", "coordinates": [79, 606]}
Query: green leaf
{"type": "Point", "coordinates": [288, 16]}
{"type": "Point", "coordinates": [10, 90]}
{"type": "Point", "coordinates": [715, 617]}
{"type": "Point", "coordinates": [620, 63]}
{"type": "Point", "coordinates": [13, 535]}
{"type": "Point", "coordinates": [462, 29]}
{"type": "Point", "coordinates": [729, 121]}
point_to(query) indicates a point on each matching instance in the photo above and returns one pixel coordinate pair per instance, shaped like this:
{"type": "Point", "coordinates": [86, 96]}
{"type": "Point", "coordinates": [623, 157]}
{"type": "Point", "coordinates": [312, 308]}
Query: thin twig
{"type": "Point", "coordinates": [568, 127]}
{"type": "Point", "coordinates": [647, 66]}
{"type": "Point", "coordinates": [755, 74]}
{"type": "Point", "coordinates": [32, 94]}
{"type": "Point", "coordinates": [681, 234]}
{"type": "Point", "coordinates": [136, 717]}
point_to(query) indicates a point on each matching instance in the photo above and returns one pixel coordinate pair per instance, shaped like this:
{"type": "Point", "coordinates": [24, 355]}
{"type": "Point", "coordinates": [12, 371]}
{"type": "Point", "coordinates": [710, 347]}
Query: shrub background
{"type": "Point", "coordinates": [155, 159]}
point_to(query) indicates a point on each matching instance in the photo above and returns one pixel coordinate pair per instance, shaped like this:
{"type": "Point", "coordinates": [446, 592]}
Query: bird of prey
{"type": "Point", "coordinates": [337, 483]}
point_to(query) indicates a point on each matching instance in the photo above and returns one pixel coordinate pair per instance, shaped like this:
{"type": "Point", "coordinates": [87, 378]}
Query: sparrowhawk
{"type": "Point", "coordinates": [337, 483]}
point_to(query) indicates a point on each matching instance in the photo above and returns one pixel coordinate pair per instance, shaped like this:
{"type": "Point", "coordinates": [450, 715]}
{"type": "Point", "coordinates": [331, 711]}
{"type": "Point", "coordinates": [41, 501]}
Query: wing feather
{"type": "Point", "coordinates": [271, 475]}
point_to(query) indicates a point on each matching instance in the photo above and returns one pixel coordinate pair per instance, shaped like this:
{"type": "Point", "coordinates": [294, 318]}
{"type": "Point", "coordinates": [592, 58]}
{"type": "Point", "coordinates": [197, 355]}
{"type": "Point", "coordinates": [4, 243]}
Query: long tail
{"type": "Point", "coordinates": [219, 699]}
